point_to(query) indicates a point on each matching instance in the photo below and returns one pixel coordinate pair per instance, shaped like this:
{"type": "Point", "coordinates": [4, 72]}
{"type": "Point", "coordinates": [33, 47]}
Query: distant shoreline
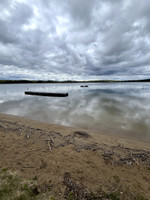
{"type": "Point", "coordinates": [70, 81]}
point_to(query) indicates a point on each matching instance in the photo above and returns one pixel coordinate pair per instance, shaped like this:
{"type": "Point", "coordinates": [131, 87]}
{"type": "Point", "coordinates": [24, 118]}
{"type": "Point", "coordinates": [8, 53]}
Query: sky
{"type": "Point", "coordinates": [74, 39]}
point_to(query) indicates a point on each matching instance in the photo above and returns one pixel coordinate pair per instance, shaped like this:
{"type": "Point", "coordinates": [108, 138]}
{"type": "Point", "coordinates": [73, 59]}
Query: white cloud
{"type": "Point", "coordinates": [74, 39]}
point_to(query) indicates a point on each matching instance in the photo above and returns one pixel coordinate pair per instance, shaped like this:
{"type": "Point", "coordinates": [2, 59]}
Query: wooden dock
{"type": "Point", "coordinates": [47, 94]}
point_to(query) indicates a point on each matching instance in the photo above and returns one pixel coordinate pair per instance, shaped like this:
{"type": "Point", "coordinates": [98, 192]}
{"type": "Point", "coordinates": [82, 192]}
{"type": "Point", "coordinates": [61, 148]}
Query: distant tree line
{"type": "Point", "coordinates": [68, 81]}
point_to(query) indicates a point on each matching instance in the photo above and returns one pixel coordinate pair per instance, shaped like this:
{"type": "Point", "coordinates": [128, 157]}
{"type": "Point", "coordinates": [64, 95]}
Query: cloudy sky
{"type": "Point", "coordinates": [74, 39]}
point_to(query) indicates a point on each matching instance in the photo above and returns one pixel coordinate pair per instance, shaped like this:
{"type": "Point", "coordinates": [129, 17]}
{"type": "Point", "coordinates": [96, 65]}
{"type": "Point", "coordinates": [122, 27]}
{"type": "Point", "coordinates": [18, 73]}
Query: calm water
{"type": "Point", "coordinates": [120, 109]}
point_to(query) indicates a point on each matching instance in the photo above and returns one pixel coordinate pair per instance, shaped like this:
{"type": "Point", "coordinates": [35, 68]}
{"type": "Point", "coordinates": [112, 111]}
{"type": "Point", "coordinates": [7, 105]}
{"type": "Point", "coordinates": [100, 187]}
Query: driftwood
{"type": "Point", "coordinates": [37, 138]}
{"type": "Point", "coordinates": [81, 134]}
{"type": "Point", "coordinates": [118, 155]}
{"type": "Point", "coordinates": [49, 146]}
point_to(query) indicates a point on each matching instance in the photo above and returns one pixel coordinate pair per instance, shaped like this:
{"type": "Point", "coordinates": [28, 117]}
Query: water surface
{"type": "Point", "coordinates": [116, 108]}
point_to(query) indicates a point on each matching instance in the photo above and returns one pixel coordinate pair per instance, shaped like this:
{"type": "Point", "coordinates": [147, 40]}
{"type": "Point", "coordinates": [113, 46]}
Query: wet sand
{"type": "Point", "coordinates": [75, 160]}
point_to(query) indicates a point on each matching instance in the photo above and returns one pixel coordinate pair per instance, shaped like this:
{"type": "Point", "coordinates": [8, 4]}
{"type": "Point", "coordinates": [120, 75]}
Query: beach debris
{"type": "Point", "coordinates": [107, 155]}
{"type": "Point", "coordinates": [54, 134]}
{"type": "Point", "coordinates": [50, 143]}
{"type": "Point", "coordinates": [119, 154]}
{"type": "Point", "coordinates": [92, 147]}
{"type": "Point", "coordinates": [49, 146]}
{"type": "Point", "coordinates": [120, 146]}
{"type": "Point", "coordinates": [138, 158]}
{"type": "Point", "coordinates": [81, 134]}
{"type": "Point", "coordinates": [69, 139]}
{"type": "Point", "coordinates": [77, 191]}
{"type": "Point", "coordinates": [38, 137]}
{"type": "Point", "coordinates": [27, 136]}
{"type": "Point", "coordinates": [73, 190]}
{"type": "Point", "coordinates": [142, 156]}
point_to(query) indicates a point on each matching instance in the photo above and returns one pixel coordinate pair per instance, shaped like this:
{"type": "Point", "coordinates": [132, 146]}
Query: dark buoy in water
{"type": "Point", "coordinates": [84, 86]}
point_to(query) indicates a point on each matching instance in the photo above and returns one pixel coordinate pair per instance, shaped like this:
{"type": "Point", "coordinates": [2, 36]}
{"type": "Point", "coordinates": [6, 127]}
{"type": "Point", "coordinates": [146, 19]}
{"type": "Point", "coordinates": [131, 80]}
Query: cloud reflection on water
{"type": "Point", "coordinates": [116, 109]}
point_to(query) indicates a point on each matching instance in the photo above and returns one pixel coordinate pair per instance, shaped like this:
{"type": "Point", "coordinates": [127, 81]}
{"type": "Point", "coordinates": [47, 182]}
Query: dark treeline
{"type": "Point", "coordinates": [68, 81]}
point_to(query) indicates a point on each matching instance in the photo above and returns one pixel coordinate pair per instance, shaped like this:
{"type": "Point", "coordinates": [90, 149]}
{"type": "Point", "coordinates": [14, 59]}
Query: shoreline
{"type": "Point", "coordinates": [57, 153]}
{"type": "Point", "coordinates": [97, 133]}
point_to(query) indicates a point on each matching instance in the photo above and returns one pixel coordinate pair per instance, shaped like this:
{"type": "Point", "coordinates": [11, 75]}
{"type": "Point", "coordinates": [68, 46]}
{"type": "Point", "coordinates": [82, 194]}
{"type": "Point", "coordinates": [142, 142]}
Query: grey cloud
{"type": "Point", "coordinates": [72, 38]}
{"type": "Point", "coordinates": [81, 11]}
{"type": "Point", "coordinates": [11, 22]}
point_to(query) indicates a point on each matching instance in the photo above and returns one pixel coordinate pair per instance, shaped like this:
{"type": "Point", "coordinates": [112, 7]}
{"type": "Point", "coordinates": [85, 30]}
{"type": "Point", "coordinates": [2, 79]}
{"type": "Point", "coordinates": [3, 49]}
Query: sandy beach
{"type": "Point", "coordinates": [75, 161]}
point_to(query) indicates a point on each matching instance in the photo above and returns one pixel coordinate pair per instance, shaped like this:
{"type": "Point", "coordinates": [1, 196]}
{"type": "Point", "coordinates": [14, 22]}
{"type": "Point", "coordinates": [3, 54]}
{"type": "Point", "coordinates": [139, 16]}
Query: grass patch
{"type": "Point", "coordinates": [14, 188]}
{"type": "Point", "coordinates": [113, 197]}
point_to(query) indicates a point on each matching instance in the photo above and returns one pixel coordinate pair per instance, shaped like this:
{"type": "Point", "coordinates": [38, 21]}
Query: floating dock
{"type": "Point", "coordinates": [47, 94]}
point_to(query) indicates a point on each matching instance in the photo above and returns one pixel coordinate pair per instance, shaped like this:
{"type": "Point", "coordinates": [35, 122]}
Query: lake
{"type": "Point", "coordinates": [121, 109]}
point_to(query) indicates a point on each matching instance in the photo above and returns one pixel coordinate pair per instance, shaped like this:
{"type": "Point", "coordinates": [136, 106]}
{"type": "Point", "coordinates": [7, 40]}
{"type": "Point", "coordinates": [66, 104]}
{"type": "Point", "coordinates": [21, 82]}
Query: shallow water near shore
{"type": "Point", "coordinates": [121, 109]}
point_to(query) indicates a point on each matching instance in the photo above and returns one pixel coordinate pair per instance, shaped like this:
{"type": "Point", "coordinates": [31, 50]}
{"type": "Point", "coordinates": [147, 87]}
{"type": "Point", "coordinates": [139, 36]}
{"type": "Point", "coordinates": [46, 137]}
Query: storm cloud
{"type": "Point", "coordinates": [74, 39]}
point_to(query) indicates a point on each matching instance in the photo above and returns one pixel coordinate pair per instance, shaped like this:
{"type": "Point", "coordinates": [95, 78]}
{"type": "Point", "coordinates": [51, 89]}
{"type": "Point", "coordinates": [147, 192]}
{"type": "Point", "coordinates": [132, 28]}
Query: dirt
{"type": "Point", "coordinates": [95, 163]}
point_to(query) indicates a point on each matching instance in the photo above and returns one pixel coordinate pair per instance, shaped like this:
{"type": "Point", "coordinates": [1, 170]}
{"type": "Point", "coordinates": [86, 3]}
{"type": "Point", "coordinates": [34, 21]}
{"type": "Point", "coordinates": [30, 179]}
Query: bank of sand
{"type": "Point", "coordinates": [69, 158]}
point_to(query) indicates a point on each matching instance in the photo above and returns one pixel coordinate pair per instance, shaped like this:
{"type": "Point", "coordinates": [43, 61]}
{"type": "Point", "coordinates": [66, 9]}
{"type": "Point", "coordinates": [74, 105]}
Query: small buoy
{"type": "Point", "coordinates": [83, 85]}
